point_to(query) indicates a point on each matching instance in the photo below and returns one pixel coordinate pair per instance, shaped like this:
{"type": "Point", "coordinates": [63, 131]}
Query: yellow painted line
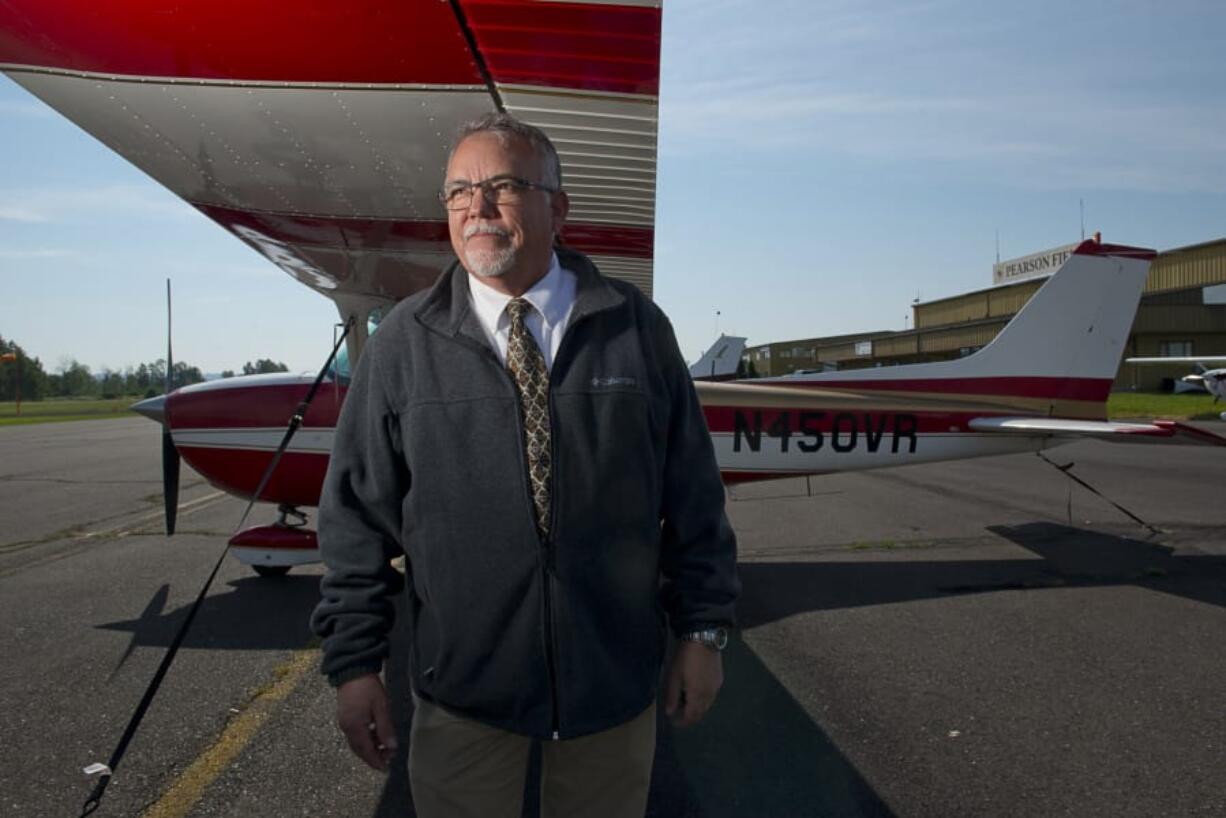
{"type": "Point", "coordinates": [188, 788]}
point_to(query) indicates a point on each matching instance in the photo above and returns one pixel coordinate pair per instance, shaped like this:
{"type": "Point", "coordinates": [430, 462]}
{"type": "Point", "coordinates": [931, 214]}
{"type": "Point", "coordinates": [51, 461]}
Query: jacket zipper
{"type": "Point", "coordinates": [547, 543]}
{"type": "Point", "coordinates": [551, 661]}
{"type": "Point", "coordinates": [545, 554]}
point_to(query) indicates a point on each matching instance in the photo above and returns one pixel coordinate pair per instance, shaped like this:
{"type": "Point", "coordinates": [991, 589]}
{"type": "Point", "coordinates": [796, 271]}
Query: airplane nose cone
{"type": "Point", "coordinates": [152, 408]}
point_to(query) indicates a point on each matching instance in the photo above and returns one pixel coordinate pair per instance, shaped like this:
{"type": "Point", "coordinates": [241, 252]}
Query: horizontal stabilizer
{"type": "Point", "coordinates": [1183, 359]}
{"type": "Point", "coordinates": [1155, 431]}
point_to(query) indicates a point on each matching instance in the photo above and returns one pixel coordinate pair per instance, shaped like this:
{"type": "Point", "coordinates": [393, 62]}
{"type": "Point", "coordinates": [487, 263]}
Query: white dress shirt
{"type": "Point", "coordinates": [553, 298]}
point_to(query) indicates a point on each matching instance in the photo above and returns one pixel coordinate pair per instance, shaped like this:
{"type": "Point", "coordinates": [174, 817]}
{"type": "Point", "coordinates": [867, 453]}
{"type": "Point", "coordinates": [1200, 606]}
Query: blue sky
{"type": "Point", "coordinates": [821, 165]}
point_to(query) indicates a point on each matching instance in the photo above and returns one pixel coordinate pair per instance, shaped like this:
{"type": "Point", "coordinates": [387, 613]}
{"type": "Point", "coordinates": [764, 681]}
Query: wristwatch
{"type": "Point", "coordinates": [716, 638]}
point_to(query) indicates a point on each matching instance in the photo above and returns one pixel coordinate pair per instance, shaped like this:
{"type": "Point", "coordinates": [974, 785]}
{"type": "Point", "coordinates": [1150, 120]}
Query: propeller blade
{"type": "Point", "coordinates": [170, 480]}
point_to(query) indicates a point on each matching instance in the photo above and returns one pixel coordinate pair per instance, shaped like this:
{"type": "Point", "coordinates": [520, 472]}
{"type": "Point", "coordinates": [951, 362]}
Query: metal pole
{"type": "Point", "coordinates": [18, 384]}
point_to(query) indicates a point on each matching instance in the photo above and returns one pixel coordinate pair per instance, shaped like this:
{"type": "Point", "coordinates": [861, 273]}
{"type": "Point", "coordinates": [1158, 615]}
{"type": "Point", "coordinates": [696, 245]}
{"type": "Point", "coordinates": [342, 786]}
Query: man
{"type": "Point", "coordinates": [527, 434]}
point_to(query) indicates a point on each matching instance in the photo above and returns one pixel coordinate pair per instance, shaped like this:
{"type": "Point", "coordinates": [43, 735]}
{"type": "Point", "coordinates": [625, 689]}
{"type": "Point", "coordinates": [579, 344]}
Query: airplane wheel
{"type": "Point", "coordinates": [271, 570]}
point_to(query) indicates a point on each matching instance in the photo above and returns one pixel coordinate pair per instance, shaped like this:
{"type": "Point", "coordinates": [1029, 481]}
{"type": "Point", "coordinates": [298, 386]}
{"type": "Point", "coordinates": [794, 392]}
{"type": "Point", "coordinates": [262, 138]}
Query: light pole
{"type": "Point", "coordinates": [717, 324]}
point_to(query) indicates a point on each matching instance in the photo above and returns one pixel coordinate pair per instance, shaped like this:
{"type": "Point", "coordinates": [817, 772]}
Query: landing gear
{"type": "Point", "coordinates": [290, 517]}
{"type": "Point", "coordinates": [271, 550]}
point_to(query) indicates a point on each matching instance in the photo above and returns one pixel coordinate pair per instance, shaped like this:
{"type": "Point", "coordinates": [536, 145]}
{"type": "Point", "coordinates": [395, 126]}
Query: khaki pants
{"type": "Point", "coordinates": [459, 768]}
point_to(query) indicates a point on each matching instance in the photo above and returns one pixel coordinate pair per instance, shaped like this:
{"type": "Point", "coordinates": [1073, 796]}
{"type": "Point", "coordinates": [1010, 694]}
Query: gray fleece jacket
{"type": "Point", "coordinates": [562, 637]}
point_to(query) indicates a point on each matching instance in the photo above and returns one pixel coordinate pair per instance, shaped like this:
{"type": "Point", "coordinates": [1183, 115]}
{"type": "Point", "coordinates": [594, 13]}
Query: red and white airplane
{"type": "Point", "coordinates": [319, 137]}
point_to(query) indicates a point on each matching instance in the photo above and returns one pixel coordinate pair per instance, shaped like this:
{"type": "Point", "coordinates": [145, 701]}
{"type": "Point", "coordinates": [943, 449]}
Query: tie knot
{"type": "Point", "coordinates": [517, 308]}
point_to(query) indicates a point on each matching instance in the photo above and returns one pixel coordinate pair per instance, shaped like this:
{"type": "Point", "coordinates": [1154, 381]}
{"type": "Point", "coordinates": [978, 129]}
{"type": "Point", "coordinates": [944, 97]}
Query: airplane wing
{"type": "Point", "coordinates": [1154, 431]}
{"type": "Point", "coordinates": [319, 135]}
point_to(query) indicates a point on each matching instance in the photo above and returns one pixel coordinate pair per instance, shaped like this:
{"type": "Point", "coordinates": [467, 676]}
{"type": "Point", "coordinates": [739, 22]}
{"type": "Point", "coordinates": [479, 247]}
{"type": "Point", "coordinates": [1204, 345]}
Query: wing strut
{"type": "Point", "coordinates": [1067, 469]}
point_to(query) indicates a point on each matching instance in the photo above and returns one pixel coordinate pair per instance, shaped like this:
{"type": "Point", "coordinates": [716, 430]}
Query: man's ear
{"type": "Point", "coordinates": [560, 206]}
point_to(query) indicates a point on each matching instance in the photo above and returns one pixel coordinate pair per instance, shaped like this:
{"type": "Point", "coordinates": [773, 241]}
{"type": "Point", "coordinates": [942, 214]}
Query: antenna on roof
{"type": "Point", "coordinates": [998, 245]}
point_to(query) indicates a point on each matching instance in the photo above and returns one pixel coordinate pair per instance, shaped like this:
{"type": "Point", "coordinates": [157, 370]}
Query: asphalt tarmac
{"type": "Point", "coordinates": [973, 638]}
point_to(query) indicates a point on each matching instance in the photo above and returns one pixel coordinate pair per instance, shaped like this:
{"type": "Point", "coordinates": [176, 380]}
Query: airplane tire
{"type": "Point", "coordinates": [271, 570]}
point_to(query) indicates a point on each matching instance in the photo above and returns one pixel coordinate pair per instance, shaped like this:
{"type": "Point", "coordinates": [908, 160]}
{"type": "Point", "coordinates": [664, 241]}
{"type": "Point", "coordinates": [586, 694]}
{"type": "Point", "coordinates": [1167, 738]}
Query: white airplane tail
{"type": "Point", "coordinates": [1078, 322]}
{"type": "Point", "coordinates": [720, 361]}
{"type": "Point", "coordinates": [1064, 345]}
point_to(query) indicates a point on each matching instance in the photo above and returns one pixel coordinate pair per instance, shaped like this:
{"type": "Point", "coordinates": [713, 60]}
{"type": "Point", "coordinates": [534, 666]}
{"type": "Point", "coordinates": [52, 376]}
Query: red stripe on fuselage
{"type": "Point", "coordinates": [1052, 388]}
{"type": "Point", "coordinates": [364, 41]}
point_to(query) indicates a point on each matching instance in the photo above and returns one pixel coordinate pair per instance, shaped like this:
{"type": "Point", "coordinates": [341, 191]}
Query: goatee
{"type": "Point", "coordinates": [490, 263]}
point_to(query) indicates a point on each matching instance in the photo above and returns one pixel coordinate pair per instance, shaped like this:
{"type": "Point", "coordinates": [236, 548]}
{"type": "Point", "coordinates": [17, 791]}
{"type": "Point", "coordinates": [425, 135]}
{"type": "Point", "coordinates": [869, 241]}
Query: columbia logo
{"type": "Point", "coordinates": [599, 382]}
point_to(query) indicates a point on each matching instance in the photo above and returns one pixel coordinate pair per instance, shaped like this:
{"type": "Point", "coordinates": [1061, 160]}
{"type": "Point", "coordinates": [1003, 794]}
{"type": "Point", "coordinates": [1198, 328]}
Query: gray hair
{"type": "Point", "coordinates": [504, 127]}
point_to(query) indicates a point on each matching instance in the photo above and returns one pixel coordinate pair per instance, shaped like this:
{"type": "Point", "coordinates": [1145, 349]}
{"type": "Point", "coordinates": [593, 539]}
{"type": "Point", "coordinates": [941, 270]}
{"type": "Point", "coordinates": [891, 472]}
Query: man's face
{"type": "Point", "coordinates": [511, 242]}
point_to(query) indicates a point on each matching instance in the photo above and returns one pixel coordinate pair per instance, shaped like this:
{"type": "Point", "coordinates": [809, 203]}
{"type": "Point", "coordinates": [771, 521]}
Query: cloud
{"type": "Point", "coordinates": [21, 255]}
{"type": "Point", "coordinates": [42, 205]}
{"type": "Point", "coordinates": [21, 214]}
{"type": "Point", "coordinates": [949, 93]}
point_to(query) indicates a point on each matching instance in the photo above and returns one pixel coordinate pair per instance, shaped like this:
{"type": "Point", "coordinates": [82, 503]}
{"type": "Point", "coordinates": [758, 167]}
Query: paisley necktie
{"type": "Point", "coordinates": [527, 366]}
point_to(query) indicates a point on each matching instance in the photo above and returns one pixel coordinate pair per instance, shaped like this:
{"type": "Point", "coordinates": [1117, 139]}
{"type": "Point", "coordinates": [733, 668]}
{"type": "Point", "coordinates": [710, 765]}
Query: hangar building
{"type": "Point", "coordinates": [1182, 313]}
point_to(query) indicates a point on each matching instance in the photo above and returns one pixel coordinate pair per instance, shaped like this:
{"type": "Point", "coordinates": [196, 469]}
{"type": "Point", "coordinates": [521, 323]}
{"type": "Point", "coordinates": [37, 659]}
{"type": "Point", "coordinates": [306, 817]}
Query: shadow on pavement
{"type": "Point", "coordinates": [1083, 557]}
{"type": "Point", "coordinates": [255, 614]}
{"type": "Point", "coordinates": [756, 754]}
{"type": "Point", "coordinates": [1071, 557]}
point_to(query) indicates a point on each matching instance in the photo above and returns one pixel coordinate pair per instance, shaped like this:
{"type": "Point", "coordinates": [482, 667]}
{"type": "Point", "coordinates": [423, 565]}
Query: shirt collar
{"type": "Point", "coordinates": [548, 296]}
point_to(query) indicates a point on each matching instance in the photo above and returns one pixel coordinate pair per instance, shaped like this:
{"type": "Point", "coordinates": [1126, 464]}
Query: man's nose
{"type": "Point", "coordinates": [481, 205]}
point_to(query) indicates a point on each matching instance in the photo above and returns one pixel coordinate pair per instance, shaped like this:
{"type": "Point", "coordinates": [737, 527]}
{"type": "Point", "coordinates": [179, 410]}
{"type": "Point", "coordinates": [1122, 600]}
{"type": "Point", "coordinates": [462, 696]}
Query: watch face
{"type": "Point", "coordinates": [721, 639]}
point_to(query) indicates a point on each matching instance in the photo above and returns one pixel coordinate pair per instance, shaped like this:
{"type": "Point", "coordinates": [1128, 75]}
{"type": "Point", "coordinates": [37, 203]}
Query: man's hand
{"type": "Point", "coordinates": [694, 678]}
{"type": "Point", "coordinates": [365, 718]}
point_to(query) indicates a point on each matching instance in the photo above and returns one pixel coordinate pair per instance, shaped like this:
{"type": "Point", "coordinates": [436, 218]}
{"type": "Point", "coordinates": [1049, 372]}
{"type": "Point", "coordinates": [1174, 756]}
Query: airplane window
{"type": "Point", "coordinates": [340, 367]}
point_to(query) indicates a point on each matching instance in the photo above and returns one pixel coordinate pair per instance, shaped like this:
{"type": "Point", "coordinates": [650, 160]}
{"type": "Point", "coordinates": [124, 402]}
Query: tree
{"type": "Point", "coordinates": [75, 379]}
{"type": "Point", "coordinates": [139, 381]}
{"type": "Point", "coordinates": [113, 384]}
{"type": "Point", "coordinates": [264, 365]}
{"type": "Point", "coordinates": [33, 379]}
{"type": "Point", "coordinates": [227, 373]}
{"type": "Point", "coordinates": [185, 374]}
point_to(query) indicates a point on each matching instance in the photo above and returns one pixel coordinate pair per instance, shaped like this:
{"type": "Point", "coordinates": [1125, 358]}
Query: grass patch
{"type": "Point", "coordinates": [1187, 406]}
{"type": "Point", "coordinates": [64, 409]}
{"type": "Point", "coordinates": [861, 545]}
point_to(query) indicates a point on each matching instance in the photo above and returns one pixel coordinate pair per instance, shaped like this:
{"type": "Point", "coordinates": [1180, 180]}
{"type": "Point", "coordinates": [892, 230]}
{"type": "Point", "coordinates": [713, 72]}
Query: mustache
{"type": "Point", "coordinates": [484, 229]}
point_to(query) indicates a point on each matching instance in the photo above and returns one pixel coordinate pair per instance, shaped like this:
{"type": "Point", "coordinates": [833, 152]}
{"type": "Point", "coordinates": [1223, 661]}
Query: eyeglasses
{"type": "Point", "coordinates": [500, 190]}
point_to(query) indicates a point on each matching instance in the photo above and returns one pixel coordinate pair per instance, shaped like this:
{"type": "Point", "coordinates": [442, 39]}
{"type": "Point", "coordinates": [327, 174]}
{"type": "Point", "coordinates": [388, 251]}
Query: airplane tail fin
{"type": "Point", "coordinates": [1059, 354]}
{"type": "Point", "coordinates": [1078, 323]}
{"type": "Point", "coordinates": [1076, 326]}
{"type": "Point", "coordinates": [720, 361]}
